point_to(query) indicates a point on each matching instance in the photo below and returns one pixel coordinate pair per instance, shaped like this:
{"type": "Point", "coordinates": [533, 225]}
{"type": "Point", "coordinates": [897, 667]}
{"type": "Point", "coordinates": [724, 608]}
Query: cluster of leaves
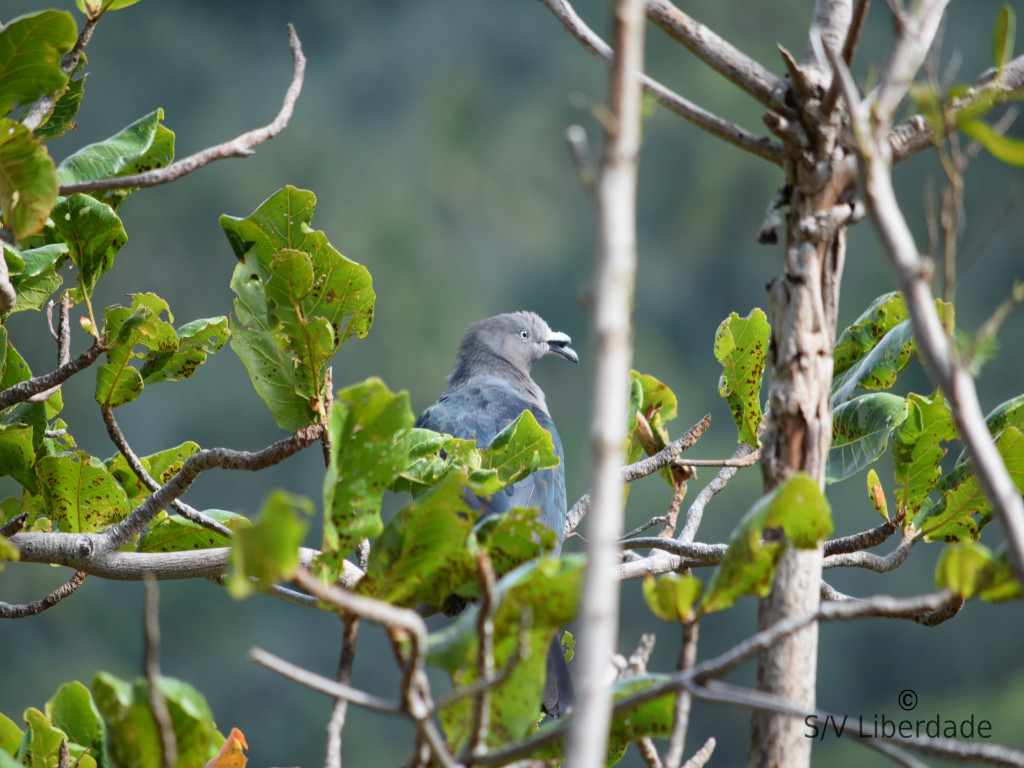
{"type": "Point", "coordinates": [113, 723]}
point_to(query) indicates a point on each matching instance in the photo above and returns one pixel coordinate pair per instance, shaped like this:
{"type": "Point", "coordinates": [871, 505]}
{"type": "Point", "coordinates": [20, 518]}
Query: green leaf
{"type": "Point", "coordinates": [423, 554]}
{"type": "Point", "coordinates": [36, 282]}
{"type": "Point", "coordinates": [672, 597]}
{"type": "Point", "coordinates": [510, 539]}
{"type": "Point", "coordinates": [73, 710]}
{"type": "Point", "coordinates": [657, 403]}
{"type": "Point", "coordinates": [92, 8]}
{"type": "Point", "coordinates": [117, 382]}
{"type": "Point", "coordinates": [268, 551]}
{"type": "Point", "coordinates": [918, 447]}
{"type": "Point", "coordinates": [62, 116]}
{"type": "Point", "coordinates": [196, 341]}
{"type": "Point", "coordinates": [953, 519]}
{"type": "Point", "coordinates": [1003, 33]}
{"type": "Point", "coordinates": [298, 300]}
{"type": "Point", "coordinates": [741, 346]}
{"type": "Point", "coordinates": [520, 449]}
{"type": "Point", "coordinates": [531, 602]}
{"type": "Point", "coordinates": [10, 735]}
{"type": "Point", "coordinates": [800, 509]}
{"type": "Point", "coordinates": [879, 367]}
{"type": "Point", "coordinates": [876, 495]}
{"type": "Point", "coordinates": [8, 554]}
{"type": "Point", "coordinates": [17, 452]}
{"type": "Point", "coordinates": [28, 180]}
{"type": "Point", "coordinates": [363, 423]}
{"type": "Point", "coordinates": [143, 146]}
{"type": "Point", "coordinates": [134, 736]}
{"type": "Point", "coordinates": [81, 495]}
{"type": "Point", "coordinates": [31, 49]}
{"type": "Point", "coordinates": [41, 745]}
{"type": "Point", "coordinates": [860, 432]}
{"type": "Point", "coordinates": [94, 235]}
{"type": "Point", "coordinates": [431, 455]}
{"type": "Point", "coordinates": [970, 569]}
{"type": "Point", "coordinates": [170, 533]}
{"type": "Point", "coordinates": [1001, 146]}
{"type": "Point", "coordinates": [884, 314]}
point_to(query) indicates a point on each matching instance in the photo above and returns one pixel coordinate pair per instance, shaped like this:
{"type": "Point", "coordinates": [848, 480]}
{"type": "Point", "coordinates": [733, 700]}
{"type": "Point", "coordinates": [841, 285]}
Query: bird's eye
{"type": "Point", "coordinates": [524, 334]}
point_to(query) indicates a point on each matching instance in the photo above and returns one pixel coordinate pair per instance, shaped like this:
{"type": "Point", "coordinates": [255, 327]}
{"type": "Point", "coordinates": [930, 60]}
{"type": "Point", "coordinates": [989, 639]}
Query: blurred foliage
{"type": "Point", "coordinates": [432, 135]}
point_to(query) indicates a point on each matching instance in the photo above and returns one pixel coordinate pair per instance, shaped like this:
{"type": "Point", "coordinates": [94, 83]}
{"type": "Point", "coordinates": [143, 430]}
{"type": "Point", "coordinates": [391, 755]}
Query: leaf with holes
{"type": "Point", "coordinates": [800, 509]}
{"type": "Point", "coordinates": [81, 495]}
{"type": "Point", "coordinates": [196, 341]}
{"type": "Point", "coordinates": [117, 381]}
{"type": "Point", "coordinates": [741, 346]}
{"type": "Point", "coordinates": [919, 444]}
{"type": "Point", "coordinates": [885, 313]}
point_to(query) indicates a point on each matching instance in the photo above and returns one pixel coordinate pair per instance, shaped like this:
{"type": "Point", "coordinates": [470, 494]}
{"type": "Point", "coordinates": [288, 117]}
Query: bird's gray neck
{"type": "Point", "coordinates": [483, 369]}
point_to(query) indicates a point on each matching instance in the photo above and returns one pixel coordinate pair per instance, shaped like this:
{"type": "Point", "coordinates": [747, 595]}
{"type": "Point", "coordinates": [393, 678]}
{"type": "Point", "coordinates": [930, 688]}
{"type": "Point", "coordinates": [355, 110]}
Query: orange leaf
{"type": "Point", "coordinates": [231, 754]}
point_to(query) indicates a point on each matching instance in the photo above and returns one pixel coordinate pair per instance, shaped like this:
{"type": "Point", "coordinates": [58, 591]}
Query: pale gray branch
{"type": "Point", "coordinates": [761, 146]}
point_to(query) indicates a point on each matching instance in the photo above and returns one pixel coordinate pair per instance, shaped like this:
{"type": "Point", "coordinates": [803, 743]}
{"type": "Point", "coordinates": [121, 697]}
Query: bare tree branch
{"type": "Point", "coordinates": [721, 56]}
{"type": "Point", "coordinates": [323, 684]}
{"type": "Point", "coordinates": [183, 509]}
{"type": "Point", "coordinates": [336, 722]}
{"type": "Point", "coordinates": [240, 146]}
{"type": "Point", "coordinates": [681, 712]}
{"type": "Point", "coordinates": [613, 326]}
{"type": "Point", "coordinates": [23, 391]}
{"type": "Point", "coordinates": [912, 276]}
{"type": "Point", "coordinates": [9, 611]}
{"type": "Point", "coordinates": [761, 146]}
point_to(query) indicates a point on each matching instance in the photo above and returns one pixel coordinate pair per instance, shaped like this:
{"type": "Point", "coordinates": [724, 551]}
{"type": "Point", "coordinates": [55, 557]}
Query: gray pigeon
{"type": "Point", "coordinates": [489, 388]}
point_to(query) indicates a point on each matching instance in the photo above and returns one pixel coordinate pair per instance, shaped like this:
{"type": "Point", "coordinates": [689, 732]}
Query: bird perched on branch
{"type": "Point", "coordinates": [489, 387]}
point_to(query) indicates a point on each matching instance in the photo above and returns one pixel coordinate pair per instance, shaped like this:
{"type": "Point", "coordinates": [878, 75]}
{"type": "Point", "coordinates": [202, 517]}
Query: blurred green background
{"type": "Point", "coordinates": [433, 137]}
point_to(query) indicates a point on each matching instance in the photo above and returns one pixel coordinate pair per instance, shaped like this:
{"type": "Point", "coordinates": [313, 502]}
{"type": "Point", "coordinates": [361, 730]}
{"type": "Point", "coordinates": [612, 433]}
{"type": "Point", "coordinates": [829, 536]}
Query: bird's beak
{"type": "Point", "coordinates": [558, 344]}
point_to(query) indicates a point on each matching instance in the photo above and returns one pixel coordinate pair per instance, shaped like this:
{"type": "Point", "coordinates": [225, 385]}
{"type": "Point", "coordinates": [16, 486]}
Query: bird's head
{"type": "Point", "coordinates": [521, 338]}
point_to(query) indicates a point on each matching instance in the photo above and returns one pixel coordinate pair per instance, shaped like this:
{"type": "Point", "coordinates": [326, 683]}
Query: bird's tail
{"type": "Point", "coordinates": [558, 691]}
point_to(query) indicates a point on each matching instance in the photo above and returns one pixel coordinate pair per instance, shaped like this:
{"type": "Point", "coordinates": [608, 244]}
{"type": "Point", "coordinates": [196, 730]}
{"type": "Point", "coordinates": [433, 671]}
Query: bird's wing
{"type": "Point", "coordinates": [480, 413]}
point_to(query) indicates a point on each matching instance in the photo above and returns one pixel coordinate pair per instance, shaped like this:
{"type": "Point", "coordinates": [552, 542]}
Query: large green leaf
{"type": "Point", "coordinates": [799, 509]}
{"type": "Point", "coordinates": [268, 551]}
{"type": "Point", "coordinates": [31, 49]}
{"type": "Point", "coordinates": [94, 235]}
{"type": "Point", "coordinates": [81, 495]}
{"type": "Point", "coordinates": [860, 432]}
{"type": "Point", "coordinates": [431, 456]}
{"type": "Point", "coordinates": [741, 346]}
{"type": "Point", "coordinates": [297, 300]}
{"type": "Point", "coordinates": [532, 601]}
{"type": "Point", "coordinates": [518, 450]}
{"type": "Point", "coordinates": [170, 533]}
{"type": "Point", "coordinates": [885, 313]}
{"type": "Point", "coordinates": [73, 711]}
{"type": "Point", "coordinates": [134, 736]}
{"type": "Point", "coordinates": [28, 180]}
{"type": "Point", "coordinates": [363, 424]}
{"type": "Point", "coordinates": [970, 569]}
{"type": "Point", "coordinates": [143, 146]}
{"type": "Point", "coordinates": [161, 466]}
{"type": "Point", "coordinates": [10, 734]}
{"type": "Point", "coordinates": [196, 341]}
{"type": "Point", "coordinates": [919, 444]}
{"type": "Point", "coordinates": [424, 552]}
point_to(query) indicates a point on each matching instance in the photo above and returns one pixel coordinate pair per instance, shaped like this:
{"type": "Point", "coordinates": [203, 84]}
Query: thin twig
{"type": "Point", "coordinates": [485, 656]}
{"type": "Point", "coordinates": [14, 525]}
{"type": "Point", "coordinates": [157, 701]}
{"type": "Point", "coordinates": [659, 520]}
{"type": "Point", "coordinates": [712, 553]}
{"type": "Point", "coordinates": [700, 758]}
{"type": "Point", "coordinates": [9, 611]}
{"type": "Point", "coordinates": [324, 684]}
{"type": "Point", "coordinates": [183, 509]}
{"type": "Point", "coordinates": [718, 54]}
{"type": "Point", "coordinates": [865, 539]}
{"type": "Point", "coordinates": [761, 146]}
{"type": "Point", "coordinates": [336, 722]}
{"type": "Point", "coordinates": [241, 146]}
{"type": "Point", "coordinates": [681, 712]}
